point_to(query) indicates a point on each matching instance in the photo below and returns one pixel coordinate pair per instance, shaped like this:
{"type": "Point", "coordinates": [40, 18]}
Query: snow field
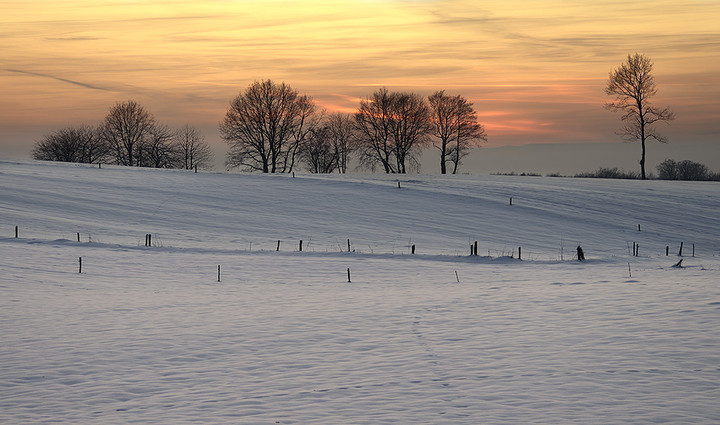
{"type": "Point", "coordinates": [148, 335]}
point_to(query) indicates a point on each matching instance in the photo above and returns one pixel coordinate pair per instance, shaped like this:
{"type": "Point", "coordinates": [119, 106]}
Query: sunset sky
{"type": "Point", "coordinates": [535, 71]}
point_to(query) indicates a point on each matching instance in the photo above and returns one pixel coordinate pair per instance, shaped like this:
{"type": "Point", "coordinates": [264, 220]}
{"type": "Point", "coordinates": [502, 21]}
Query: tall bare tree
{"type": "Point", "coordinates": [373, 120]}
{"type": "Point", "coordinates": [632, 85]}
{"type": "Point", "coordinates": [71, 144]}
{"type": "Point", "coordinates": [191, 150]}
{"type": "Point", "coordinates": [456, 127]}
{"type": "Point", "coordinates": [410, 129]}
{"type": "Point", "coordinates": [126, 128]}
{"type": "Point", "coordinates": [392, 127]}
{"type": "Point", "coordinates": [265, 126]}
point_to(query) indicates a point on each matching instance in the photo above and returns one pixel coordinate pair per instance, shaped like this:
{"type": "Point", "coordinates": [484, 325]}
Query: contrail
{"type": "Point", "coordinates": [64, 80]}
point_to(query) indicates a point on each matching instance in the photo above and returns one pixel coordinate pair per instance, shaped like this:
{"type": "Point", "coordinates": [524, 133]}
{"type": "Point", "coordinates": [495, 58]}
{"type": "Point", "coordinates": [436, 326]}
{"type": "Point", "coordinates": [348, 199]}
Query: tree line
{"type": "Point", "coordinates": [129, 135]}
{"type": "Point", "coordinates": [271, 127]}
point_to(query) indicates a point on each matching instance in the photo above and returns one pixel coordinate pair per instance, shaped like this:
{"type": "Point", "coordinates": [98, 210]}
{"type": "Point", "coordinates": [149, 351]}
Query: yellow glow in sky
{"type": "Point", "coordinates": [535, 70]}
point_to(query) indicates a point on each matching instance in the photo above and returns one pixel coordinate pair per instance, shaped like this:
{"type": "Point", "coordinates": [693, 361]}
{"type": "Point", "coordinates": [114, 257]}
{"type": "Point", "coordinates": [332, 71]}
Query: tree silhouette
{"type": "Point", "coordinates": [266, 125]}
{"type": "Point", "coordinates": [456, 128]}
{"type": "Point", "coordinates": [126, 129]}
{"type": "Point", "coordinates": [191, 150]}
{"type": "Point", "coordinates": [632, 84]}
{"type": "Point", "coordinates": [343, 134]}
{"type": "Point", "coordinates": [392, 126]}
{"type": "Point", "coordinates": [71, 144]}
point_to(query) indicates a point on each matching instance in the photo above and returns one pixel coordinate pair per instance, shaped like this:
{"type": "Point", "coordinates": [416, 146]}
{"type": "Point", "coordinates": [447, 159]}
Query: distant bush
{"type": "Point", "coordinates": [685, 170]}
{"type": "Point", "coordinates": [609, 173]}
{"type": "Point", "coordinates": [513, 173]}
{"type": "Point", "coordinates": [554, 175]}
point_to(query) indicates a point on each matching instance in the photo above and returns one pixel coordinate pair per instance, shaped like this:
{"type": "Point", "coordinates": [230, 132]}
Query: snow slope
{"type": "Point", "coordinates": [148, 335]}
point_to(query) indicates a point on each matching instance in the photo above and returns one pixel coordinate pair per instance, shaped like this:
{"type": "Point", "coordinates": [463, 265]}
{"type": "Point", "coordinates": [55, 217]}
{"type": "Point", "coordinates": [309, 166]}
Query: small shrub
{"type": "Point", "coordinates": [513, 173]}
{"type": "Point", "coordinates": [609, 173]}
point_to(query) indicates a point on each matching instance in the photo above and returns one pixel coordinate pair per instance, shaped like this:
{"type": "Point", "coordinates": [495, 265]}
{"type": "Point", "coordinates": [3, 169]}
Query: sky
{"type": "Point", "coordinates": [534, 70]}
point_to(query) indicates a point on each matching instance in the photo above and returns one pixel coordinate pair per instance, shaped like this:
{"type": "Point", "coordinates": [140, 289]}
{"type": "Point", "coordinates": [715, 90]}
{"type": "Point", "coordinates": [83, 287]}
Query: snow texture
{"type": "Point", "coordinates": [148, 334]}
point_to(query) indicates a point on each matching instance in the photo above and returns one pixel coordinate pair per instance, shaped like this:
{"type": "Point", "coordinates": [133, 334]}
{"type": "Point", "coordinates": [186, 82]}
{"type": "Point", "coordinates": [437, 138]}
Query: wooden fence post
{"type": "Point", "coordinates": [278, 246]}
{"type": "Point", "coordinates": [348, 270]}
{"type": "Point", "coordinates": [16, 232]}
{"type": "Point", "coordinates": [300, 245]}
{"type": "Point", "coordinates": [413, 249]}
{"type": "Point", "coordinates": [681, 247]}
{"type": "Point", "coordinates": [80, 265]}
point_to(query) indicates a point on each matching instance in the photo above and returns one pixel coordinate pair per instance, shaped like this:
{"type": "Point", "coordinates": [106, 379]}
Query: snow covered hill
{"type": "Point", "coordinates": [148, 334]}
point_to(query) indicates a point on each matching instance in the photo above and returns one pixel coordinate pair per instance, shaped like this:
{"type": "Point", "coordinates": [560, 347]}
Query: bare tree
{"type": "Point", "coordinates": [456, 128]}
{"type": "Point", "coordinates": [342, 132]}
{"type": "Point", "coordinates": [392, 126]}
{"type": "Point", "coordinates": [318, 151]}
{"type": "Point", "coordinates": [158, 149]}
{"type": "Point", "coordinates": [191, 150]}
{"type": "Point", "coordinates": [71, 144]}
{"type": "Point", "coordinates": [125, 129]}
{"type": "Point", "coordinates": [373, 120]}
{"type": "Point", "coordinates": [632, 84]}
{"type": "Point", "coordinates": [410, 129]}
{"type": "Point", "coordinates": [265, 126]}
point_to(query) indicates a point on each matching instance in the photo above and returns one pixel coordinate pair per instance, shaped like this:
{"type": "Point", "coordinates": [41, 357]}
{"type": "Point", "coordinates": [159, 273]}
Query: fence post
{"type": "Point", "coordinates": [300, 245]}
{"type": "Point", "coordinates": [348, 270]}
{"type": "Point", "coordinates": [519, 253]}
{"type": "Point", "coordinates": [278, 246]}
{"type": "Point", "coordinates": [80, 265]}
{"type": "Point", "coordinates": [681, 247]}
{"type": "Point", "coordinates": [16, 232]}
{"type": "Point", "coordinates": [475, 249]}
{"type": "Point", "coordinates": [348, 245]}
{"type": "Point", "coordinates": [413, 249]}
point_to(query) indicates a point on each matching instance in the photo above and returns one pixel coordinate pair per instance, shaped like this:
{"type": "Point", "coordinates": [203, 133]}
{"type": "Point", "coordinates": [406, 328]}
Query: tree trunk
{"type": "Point", "coordinates": [642, 138]}
{"type": "Point", "coordinates": [642, 161]}
{"type": "Point", "coordinates": [443, 156]}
